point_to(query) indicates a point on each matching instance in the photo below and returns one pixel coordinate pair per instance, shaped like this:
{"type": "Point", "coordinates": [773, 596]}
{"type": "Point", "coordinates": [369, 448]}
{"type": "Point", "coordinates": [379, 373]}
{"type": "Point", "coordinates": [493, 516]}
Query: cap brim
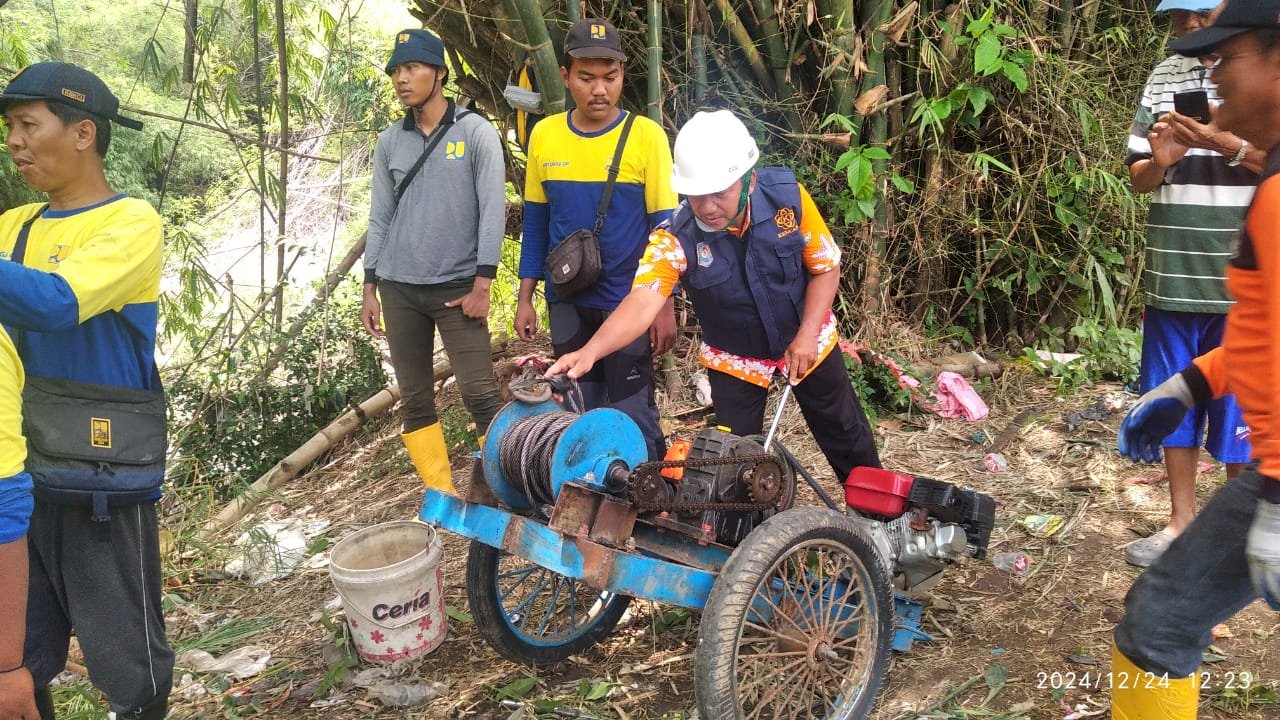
{"type": "Point", "coordinates": [6, 99]}
{"type": "Point", "coordinates": [1205, 40]}
{"type": "Point", "coordinates": [598, 52]}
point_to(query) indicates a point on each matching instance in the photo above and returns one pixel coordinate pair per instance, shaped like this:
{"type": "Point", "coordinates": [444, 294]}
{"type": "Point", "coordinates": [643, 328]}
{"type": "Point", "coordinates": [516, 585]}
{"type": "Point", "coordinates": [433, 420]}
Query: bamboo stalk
{"type": "Point", "coordinates": [775, 49]}
{"type": "Point", "coordinates": [875, 14]}
{"type": "Point", "coordinates": [745, 43]}
{"type": "Point", "coordinates": [545, 65]}
{"type": "Point", "coordinates": [289, 467]}
{"type": "Point", "coordinates": [655, 61]}
{"type": "Point", "coordinates": [841, 34]}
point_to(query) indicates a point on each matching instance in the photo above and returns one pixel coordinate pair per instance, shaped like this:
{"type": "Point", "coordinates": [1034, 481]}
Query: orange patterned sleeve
{"type": "Point", "coordinates": [821, 254]}
{"type": "Point", "coordinates": [662, 264]}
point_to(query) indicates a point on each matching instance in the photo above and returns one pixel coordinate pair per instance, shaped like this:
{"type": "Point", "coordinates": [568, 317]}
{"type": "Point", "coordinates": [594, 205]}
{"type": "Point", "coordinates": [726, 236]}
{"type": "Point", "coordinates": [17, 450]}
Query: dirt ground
{"type": "Point", "coordinates": [1004, 647]}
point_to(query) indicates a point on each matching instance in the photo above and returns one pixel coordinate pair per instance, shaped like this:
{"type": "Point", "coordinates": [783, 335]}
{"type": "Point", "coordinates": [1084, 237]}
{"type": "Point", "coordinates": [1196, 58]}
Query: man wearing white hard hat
{"type": "Point", "coordinates": [1201, 178]}
{"type": "Point", "coordinates": [757, 261]}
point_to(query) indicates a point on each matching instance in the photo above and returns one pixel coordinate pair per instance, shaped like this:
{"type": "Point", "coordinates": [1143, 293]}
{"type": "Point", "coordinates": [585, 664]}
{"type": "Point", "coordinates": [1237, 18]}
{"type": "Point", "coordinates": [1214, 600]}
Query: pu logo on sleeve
{"type": "Point", "coordinates": [455, 150]}
{"type": "Point", "coordinates": [100, 433]}
{"type": "Point", "coordinates": [58, 255]}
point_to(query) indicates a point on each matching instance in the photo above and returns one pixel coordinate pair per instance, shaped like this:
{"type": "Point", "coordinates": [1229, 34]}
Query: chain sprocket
{"type": "Point", "coordinates": [643, 490]}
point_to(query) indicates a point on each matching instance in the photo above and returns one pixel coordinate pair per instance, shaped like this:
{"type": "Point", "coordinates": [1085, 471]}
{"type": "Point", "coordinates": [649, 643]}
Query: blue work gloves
{"type": "Point", "coordinates": [1262, 547]}
{"type": "Point", "coordinates": [1157, 413]}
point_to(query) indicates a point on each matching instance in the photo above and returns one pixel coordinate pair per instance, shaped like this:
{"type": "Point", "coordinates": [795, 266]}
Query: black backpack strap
{"type": "Point", "coordinates": [614, 167]}
{"type": "Point", "coordinates": [451, 115]}
{"type": "Point", "coordinates": [20, 245]}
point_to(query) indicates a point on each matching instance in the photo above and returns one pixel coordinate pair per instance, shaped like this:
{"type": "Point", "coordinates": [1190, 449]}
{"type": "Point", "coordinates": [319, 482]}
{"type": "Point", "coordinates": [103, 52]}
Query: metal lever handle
{"type": "Point", "coordinates": [777, 415]}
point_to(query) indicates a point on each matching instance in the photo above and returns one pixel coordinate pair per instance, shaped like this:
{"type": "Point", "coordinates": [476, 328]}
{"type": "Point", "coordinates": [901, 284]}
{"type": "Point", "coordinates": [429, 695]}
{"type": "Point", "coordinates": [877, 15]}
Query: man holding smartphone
{"type": "Point", "coordinates": [1201, 178]}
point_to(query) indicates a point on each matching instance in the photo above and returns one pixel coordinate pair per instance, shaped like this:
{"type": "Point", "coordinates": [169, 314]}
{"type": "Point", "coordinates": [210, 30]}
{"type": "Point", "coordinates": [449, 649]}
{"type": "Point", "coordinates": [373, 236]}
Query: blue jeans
{"type": "Point", "coordinates": [1200, 581]}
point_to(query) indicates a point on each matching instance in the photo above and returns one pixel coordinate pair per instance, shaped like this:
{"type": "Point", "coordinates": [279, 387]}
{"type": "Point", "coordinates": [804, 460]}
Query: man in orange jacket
{"type": "Point", "coordinates": [1230, 555]}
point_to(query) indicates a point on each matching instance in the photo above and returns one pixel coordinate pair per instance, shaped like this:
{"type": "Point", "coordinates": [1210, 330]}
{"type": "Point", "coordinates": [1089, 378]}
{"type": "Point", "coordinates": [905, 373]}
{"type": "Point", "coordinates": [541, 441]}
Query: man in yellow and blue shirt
{"type": "Point", "coordinates": [80, 297]}
{"type": "Point", "coordinates": [568, 160]}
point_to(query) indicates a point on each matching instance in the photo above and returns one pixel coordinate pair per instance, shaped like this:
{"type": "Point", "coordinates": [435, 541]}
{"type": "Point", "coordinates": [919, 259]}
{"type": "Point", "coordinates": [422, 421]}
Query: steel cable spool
{"type": "Point", "coordinates": [527, 450]}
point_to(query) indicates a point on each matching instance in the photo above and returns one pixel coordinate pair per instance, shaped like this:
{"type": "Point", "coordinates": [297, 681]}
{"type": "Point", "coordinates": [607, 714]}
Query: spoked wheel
{"type": "Point", "coordinates": [532, 615]}
{"type": "Point", "coordinates": [798, 625]}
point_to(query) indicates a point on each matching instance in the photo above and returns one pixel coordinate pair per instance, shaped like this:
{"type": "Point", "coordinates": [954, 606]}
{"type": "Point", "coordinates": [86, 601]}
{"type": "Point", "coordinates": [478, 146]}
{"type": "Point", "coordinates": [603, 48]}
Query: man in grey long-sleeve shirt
{"type": "Point", "coordinates": [433, 246]}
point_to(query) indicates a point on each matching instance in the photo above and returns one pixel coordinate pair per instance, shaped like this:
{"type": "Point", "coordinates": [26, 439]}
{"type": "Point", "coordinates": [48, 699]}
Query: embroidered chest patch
{"type": "Point", "coordinates": [786, 221]}
{"type": "Point", "coordinates": [704, 255]}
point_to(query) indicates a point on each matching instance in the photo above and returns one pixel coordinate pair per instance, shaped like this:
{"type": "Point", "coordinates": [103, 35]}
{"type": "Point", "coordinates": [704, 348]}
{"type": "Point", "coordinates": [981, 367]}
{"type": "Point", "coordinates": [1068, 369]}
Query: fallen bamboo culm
{"type": "Point", "coordinates": [326, 439]}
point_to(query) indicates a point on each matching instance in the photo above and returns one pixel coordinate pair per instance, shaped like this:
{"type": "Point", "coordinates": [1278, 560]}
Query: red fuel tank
{"type": "Point", "coordinates": [878, 492]}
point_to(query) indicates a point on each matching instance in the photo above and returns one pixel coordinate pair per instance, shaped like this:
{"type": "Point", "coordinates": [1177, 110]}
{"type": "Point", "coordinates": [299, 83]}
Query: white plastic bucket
{"type": "Point", "coordinates": [391, 584]}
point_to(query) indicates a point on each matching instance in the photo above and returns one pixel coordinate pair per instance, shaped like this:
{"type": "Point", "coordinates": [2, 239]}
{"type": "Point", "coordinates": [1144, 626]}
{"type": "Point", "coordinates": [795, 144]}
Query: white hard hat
{"type": "Point", "coordinates": [712, 150]}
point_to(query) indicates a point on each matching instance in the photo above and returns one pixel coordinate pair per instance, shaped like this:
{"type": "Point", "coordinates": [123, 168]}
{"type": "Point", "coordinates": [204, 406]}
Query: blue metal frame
{"type": "Point", "coordinates": [907, 613]}
{"type": "Point", "coordinates": [611, 570]}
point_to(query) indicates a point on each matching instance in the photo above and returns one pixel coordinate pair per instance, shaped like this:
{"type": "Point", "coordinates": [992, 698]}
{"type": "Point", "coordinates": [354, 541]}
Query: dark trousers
{"type": "Point", "coordinates": [412, 314]}
{"type": "Point", "coordinates": [102, 581]}
{"type": "Point", "coordinates": [622, 381]}
{"type": "Point", "coordinates": [827, 401]}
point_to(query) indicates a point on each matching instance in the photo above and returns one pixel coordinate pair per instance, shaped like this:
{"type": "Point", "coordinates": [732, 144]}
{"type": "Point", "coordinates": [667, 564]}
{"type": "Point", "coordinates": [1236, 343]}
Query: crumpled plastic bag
{"type": "Point", "coordinates": [240, 663]}
{"type": "Point", "coordinates": [955, 397]}
{"type": "Point", "coordinates": [269, 551]}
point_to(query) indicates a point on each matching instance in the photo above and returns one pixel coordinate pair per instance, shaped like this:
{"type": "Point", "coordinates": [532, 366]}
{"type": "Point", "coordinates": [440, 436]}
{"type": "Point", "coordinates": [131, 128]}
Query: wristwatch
{"type": "Point", "coordinates": [1239, 156]}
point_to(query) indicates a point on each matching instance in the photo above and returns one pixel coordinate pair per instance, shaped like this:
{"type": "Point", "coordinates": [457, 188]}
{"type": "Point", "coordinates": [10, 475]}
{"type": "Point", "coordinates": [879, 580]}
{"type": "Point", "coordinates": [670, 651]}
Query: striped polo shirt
{"type": "Point", "coordinates": [1197, 212]}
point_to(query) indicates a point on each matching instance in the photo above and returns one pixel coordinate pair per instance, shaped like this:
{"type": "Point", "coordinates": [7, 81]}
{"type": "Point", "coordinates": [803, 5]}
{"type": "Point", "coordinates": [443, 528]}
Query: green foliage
{"type": "Point", "coordinates": [236, 424]}
{"type": "Point", "coordinates": [877, 385]}
{"type": "Point", "coordinates": [1107, 351]}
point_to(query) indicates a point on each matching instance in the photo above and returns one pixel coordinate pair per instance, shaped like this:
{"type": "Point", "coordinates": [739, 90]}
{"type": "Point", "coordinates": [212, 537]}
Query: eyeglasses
{"type": "Point", "coordinates": [1215, 61]}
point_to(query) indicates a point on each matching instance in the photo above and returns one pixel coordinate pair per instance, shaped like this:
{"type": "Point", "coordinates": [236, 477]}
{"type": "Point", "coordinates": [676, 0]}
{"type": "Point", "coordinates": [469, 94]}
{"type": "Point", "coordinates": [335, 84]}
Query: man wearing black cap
{"type": "Point", "coordinates": [79, 284]}
{"type": "Point", "coordinates": [435, 233]}
{"type": "Point", "coordinates": [1230, 554]}
{"type": "Point", "coordinates": [565, 178]}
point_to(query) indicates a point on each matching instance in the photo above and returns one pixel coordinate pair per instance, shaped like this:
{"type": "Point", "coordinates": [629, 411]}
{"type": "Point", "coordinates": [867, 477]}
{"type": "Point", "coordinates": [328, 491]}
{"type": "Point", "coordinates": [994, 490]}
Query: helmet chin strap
{"type": "Point", "coordinates": [435, 87]}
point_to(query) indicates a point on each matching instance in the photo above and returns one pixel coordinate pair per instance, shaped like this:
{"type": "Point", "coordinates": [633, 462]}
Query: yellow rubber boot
{"type": "Point", "coordinates": [1139, 695]}
{"type": "Point", "coordinates": [431, 457]}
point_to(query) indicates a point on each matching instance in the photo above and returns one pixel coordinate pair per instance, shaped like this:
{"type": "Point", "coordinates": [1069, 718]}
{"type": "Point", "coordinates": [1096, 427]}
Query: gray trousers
{"type": "Point", "coordinates": [622, 381]}
{"type": "Point", "coordinates": [413, 313]}
{"type": "Point", "coordinates": [102, 581]}
{"type": "Point", "coordinates": [1200, 581]}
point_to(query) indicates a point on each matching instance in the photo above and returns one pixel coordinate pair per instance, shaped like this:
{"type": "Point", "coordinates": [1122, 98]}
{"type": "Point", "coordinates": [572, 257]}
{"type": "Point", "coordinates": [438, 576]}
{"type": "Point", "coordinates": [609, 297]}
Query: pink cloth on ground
{"type": "Point", "coordinates": [955, 397]}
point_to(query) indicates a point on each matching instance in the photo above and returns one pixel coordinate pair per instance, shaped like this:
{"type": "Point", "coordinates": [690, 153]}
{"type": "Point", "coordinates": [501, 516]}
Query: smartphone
{"type": "Point", "coordinates": [1193, 104]}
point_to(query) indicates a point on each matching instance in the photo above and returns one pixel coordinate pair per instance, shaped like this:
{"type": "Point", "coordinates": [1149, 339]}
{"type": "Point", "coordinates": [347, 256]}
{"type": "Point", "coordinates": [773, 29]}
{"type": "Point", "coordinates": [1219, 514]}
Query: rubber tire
{"type": "Point", "coordinates": [491, 618]}
{"type": "Point", "coordinates": [715, 660]}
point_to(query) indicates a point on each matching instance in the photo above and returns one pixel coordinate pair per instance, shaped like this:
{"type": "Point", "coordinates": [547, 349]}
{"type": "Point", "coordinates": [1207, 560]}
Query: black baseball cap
{"type": "Point", "coordinates": [594, 38]}
{"type": "Point", "coordinates": [416, 45]}
{"type": "Point", "coordinates": [67, 84]}
{"type": "Point", "coordinates": [1237, 18]}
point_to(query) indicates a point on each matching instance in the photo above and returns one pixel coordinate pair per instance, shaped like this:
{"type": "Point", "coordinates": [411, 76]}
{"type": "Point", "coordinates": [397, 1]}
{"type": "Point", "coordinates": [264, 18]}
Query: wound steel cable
{"type": "Point", "coordinates": [526, 451]}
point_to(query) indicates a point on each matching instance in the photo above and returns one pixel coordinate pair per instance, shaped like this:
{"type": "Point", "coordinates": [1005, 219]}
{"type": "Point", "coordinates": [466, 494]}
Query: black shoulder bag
{"type": "Point", "coordinates": [92, 444]}
{"type": "Point", "coordinates": [451, 115]}
{"type": "Point", "coordinates": [574, 264]}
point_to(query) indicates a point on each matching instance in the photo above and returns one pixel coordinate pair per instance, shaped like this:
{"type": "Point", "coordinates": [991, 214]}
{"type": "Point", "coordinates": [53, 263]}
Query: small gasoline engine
{"type": "Point", "coordinates": [918, 524]}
